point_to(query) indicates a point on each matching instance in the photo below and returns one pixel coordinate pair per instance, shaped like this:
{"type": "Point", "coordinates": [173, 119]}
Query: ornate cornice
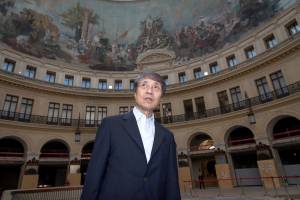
{"type": "Point", "coordinates": [154, 56]}
{"type": "Point", "coordinates": [45, 87]}
{"type": "Point", "coordinates": [285, 48]}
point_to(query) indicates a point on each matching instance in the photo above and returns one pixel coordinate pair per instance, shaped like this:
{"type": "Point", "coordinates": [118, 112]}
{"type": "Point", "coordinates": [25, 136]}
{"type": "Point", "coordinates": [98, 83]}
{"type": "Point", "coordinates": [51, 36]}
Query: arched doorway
{"type": "Point", "coordinates": [286, 140]}
{"type": "Point", "coordinates": [11, 162]}
{"type": "Point", "coordinates": [242, 148]}
{"type": "Point", "coordinates": [201, 151]}
{"type": "Point", "coordinates": [85, 158]}
{"type": "Point", "coordinates": [53, 165]}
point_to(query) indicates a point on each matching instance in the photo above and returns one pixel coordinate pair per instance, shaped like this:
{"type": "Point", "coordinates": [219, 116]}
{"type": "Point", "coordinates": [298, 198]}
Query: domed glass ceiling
{"type": "Point", "coordinates": [110, 34]}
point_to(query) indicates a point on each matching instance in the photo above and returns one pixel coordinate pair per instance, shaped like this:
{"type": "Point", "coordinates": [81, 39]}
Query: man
{"type": "Point", "coordinates": [201, 180]}
{"type": "Point", "coordinates": [134, 157]}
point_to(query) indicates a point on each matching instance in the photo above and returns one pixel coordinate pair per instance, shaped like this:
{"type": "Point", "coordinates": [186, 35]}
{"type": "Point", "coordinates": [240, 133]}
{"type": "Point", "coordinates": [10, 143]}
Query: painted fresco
{"type": "Point", "coordinates": [110, 34]}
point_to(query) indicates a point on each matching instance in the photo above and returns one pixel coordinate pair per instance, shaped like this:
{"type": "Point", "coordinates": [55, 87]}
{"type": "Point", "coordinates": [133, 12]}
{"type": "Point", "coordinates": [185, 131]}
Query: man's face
{"type": "Point", "coordinates": [148, 94]}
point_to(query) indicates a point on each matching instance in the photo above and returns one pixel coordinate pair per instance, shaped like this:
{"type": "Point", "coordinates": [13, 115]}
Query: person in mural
{"type": "Point", "coordinates": [86, 33]}
{"type": "Point", "coordinates": [134, 157]}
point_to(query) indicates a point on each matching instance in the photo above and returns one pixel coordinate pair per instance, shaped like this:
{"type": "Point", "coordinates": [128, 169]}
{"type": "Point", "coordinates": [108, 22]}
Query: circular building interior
{"type": "Point", "coordinates": [232, 99]}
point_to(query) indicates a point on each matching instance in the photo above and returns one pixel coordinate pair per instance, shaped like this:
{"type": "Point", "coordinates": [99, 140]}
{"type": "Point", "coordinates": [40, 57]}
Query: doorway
{"type": "Point", "coordinates": [52, 175]}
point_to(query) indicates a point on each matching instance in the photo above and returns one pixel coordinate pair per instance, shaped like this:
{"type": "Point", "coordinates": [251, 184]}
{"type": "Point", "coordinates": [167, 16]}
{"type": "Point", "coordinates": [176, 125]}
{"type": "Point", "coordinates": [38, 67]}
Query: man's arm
{"type": "Point", "coordinates": [172, 186]}
{"type": "Point", "coordinates": [98, 163]}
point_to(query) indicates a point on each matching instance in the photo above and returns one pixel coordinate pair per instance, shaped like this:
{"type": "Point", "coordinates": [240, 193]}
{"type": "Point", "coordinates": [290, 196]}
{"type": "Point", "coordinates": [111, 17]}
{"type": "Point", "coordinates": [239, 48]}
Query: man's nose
{"type": "Point", "coordinates": [149, 89]}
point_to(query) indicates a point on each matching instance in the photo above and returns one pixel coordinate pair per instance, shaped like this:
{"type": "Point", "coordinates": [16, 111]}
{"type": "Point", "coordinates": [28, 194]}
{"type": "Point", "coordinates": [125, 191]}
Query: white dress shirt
{"type": "Point", "coordinates": [147, 130]}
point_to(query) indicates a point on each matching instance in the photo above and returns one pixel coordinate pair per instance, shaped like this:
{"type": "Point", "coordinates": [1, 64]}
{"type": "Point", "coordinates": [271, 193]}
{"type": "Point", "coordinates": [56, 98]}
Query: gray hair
{"type": "Point", "coordinates": [153, 76]}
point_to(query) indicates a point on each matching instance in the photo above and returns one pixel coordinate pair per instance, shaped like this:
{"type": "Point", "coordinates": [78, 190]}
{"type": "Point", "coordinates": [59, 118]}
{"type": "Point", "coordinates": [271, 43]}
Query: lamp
{"type": "Point", "coordinates": [212, 147]}
{"type": "Point", "coordinates": [77, 136]}
{"type": "Point", "coordinates": [77, 132]}
{"type": "Point", "coordinates": [251, 116]}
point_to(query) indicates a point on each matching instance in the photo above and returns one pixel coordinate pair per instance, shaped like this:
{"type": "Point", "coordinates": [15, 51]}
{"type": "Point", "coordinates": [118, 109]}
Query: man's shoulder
{"type": "Point", "coordinates": [114, 118]}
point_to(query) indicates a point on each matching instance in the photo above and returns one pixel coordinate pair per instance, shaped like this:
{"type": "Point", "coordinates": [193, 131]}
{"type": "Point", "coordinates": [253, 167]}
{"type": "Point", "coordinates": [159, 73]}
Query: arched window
{"type": "Point", "coordinates": [10, 147]}
{"type": "Point", "coordinates": [55, 149]}
{"type": "Point", "coordinates": [286, 127]}
{"type": "Point", "coordinates": [87, 150]}
{"type": "Point", "coordinates": [240, 136]}
{"type": "Point", "coordinates": [201, 142]}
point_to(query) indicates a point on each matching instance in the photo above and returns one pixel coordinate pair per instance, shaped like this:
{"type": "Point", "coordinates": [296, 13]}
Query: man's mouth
{"type": "Point", "coordinates": [148, 99]}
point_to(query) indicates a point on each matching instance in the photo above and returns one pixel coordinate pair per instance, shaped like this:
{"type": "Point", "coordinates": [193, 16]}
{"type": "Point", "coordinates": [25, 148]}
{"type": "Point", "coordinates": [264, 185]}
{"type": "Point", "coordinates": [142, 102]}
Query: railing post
{"type": "Point", "coordinates": [285, 183]}
{"type": "Point", "coordinates": [7, 195]}
{"type": "Point", "coordinates": [191, 188]}
{"type": "Point", "coordinates": [219, 189]}
{"type": "Point", "coordinates": [242, 188]}
{"type": "Point", "coordinates": [264, 186]}
{"type": "Point", "coordinates": [274, 186]}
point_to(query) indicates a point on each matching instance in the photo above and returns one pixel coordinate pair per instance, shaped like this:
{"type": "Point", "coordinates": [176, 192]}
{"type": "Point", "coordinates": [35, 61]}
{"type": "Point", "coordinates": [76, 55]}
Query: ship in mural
{"type": "Point", "coordinates": [109, 35]}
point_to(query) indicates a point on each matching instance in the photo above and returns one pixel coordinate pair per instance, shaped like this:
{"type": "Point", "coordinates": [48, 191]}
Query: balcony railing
{"type": "Point", "coordinates": [241, 141]}
{"type": "Point", "coordinates": [53, 193]}
{"type": "Point", "coordinates": [241, 105]}
{"type": "Point", "coordinates": [11, 154]}
{"type": "Point", "coordinates": [288, 133]}
{"type": "Point", "coordinates": [86, 155]}
{"type": "Point", "coordinates": [63, 86]}
{"type": "Point", "coordinates": [54, 154]}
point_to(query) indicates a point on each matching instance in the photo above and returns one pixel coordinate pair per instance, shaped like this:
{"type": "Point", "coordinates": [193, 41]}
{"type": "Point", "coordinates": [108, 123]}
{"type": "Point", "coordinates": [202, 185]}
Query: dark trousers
{"type": "Point", "coordinates": [201, 182]}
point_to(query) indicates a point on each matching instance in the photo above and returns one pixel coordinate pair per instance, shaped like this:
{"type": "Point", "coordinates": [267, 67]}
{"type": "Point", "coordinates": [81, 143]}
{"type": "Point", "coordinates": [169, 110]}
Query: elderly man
{"type": "Point", "coordinates": [134, 157]}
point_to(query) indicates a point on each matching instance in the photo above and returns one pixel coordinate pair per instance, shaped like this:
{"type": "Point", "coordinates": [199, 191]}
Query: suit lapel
{"type": "Point", "coordinates": [132, 130]}
{"type": "Point", "coordinates": [158, 139]}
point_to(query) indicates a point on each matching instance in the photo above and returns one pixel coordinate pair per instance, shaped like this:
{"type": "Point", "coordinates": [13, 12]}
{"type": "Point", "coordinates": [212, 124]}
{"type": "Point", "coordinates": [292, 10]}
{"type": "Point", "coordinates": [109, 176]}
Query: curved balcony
{"type": "Point", "coordinates": [241, 105]}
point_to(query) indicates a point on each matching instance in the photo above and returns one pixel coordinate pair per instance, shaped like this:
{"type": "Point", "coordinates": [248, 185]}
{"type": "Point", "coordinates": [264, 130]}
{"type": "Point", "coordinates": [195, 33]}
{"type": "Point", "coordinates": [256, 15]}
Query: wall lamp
{"type": "Point", "coordinates": [77, 132]}
{"type": "Point", "coordinates": [251, 115]}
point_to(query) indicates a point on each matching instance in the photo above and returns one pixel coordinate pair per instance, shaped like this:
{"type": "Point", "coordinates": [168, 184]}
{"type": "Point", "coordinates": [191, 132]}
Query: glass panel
{"type": "Point", "coordinates": [6, 106]}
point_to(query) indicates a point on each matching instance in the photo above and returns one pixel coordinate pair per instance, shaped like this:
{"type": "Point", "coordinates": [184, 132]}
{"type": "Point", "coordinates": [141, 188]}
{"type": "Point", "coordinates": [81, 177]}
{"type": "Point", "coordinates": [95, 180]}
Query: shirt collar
{"type": "Point", "coordinates": [138, 114]}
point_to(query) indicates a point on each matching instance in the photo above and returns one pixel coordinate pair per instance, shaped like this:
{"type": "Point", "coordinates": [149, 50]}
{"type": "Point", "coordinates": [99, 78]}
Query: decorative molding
{"type": "Point", "coordinates": [33, 162]}
{"type": "Point", "coordinates": [290, 46]}
{"type": "Point", "coordinates": [155, 56]}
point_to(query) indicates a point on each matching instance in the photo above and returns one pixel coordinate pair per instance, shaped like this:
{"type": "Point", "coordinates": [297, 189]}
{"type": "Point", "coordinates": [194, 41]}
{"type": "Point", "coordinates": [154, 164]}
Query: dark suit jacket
{"type": "Point", "coordinates": [118, 168]}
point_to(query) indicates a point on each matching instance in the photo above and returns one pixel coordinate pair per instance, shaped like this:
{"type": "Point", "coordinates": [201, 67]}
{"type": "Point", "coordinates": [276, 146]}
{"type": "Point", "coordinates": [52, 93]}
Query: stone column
{"type": "Point", "coordinates": [223, 170]}
{"type": "Point", "coordinates": [31, 177]}
{"type": "Point", "coordinates": [267, 167]}
{"type": "Point", "coordinates": [184, 172]}
{"type": "Point", "coordinates": [74, 175]}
